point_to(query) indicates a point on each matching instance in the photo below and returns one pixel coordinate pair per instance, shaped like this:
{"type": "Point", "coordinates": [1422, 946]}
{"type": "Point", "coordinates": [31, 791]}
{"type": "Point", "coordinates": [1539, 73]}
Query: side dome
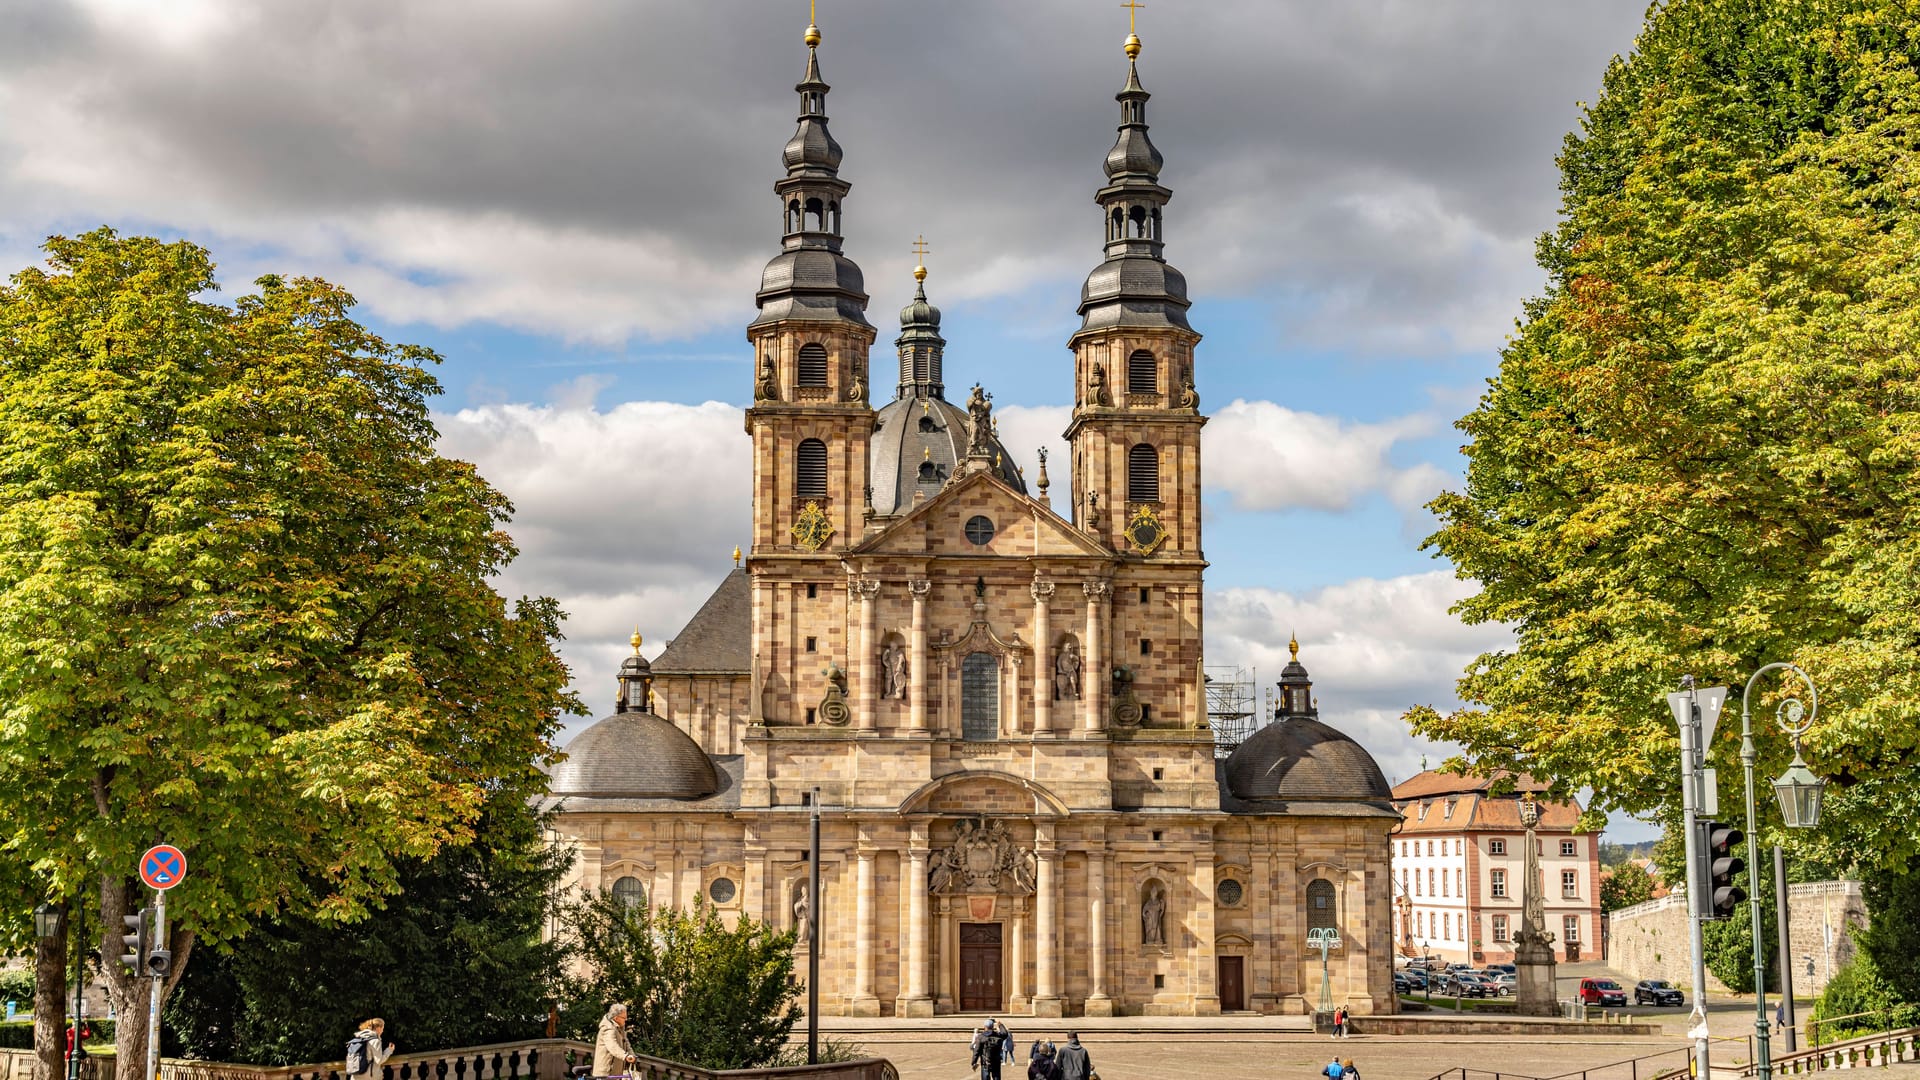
{"type": "Point", "coordinates": [634, 755]}
{"type": "Point", "coordinates": [1300, 758]}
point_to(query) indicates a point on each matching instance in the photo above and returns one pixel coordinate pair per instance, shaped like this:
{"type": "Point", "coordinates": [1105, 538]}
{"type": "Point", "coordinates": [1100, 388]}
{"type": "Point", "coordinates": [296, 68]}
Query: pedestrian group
{"type": "Point", "coordinates": [993, 1045]}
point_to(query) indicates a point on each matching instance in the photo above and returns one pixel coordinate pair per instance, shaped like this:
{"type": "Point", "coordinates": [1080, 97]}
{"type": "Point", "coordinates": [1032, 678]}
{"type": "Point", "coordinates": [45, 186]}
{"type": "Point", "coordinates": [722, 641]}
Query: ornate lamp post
{"type": "Point", "coordinates": [1799, 792]}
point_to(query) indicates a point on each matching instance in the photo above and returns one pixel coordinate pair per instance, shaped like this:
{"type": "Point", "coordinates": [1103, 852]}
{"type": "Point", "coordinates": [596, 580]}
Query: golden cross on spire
{"type": "Point", "coordinates": [1131, 6]}
{"type": "Point", "coordinates": [1133, 35]}
{"type": "Point", "coordinates": [920, 250]}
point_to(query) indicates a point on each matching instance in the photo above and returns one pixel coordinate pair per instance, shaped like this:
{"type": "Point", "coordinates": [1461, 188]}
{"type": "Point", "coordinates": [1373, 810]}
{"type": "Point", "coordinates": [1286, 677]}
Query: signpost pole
{"type": "Point", "coordinates": [153, 998]}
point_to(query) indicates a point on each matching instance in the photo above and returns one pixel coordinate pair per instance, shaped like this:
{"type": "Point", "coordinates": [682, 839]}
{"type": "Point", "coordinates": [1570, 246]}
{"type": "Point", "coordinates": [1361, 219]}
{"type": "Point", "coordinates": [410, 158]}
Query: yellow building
{"type": "Point", "coordinates": [1002, 708]}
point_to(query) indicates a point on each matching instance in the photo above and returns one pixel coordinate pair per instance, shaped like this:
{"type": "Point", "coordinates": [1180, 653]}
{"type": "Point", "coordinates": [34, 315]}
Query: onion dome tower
{"type": "Point", "coordinates": [1136, 419]}
{"type": "Point", "coordinates": [810, 419]}
{"type": "Point", "coordinates": [634, 754]}
{"type": "Point", "coordinates": [920, 438]}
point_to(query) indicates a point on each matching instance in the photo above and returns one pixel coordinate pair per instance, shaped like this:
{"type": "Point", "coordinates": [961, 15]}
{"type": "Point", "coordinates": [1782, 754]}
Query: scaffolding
{"type": "Point", "coordinates": [1230, 706]}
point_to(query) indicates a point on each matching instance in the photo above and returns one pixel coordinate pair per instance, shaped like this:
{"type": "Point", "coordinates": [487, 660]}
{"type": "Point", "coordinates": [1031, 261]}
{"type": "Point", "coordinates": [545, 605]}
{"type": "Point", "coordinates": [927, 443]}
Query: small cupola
{"type": "Point", "coordinates": [1296, 689]}
{"type": "Point", "coordinates": [636, 681]}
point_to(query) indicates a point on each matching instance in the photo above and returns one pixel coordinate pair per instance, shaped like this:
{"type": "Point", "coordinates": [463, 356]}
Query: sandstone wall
{"type": "Point", "coordinates": [1649, 941]}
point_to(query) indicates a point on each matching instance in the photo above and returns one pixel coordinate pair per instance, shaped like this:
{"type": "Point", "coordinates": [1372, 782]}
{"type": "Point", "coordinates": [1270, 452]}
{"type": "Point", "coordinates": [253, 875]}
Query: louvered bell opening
{"type": "Point", "coordinates": [1143, 474]}
{"type": "Point", "coordinates": [1143, 375]}
{"type": "Point", "coordinates": [813, 365]}
{"type": "Point", "coordinates": [810, 469]}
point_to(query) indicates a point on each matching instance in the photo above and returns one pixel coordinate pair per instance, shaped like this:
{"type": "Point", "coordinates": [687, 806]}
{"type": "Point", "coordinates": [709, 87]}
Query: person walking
{"type": "Point", "coordinates": [1333, 1069]}
{"type": "Point", "coordinates": [1044, 1066]}
{"type": "Point", "coordinates": [612, 1054]}
{"type": "Point", "coordinates": [1340, 1021]}
{"type": "Point", "coordinates": [988, 1049]}
{"type": "Point", "coordinates": [1006, 1040]}
{"type": "Point", "coordinates": [372, 1058]}
{"type": "Point", "coordinates": [1348, 1071]}
{"type": "Point", "coordinates": [1074, 1062]}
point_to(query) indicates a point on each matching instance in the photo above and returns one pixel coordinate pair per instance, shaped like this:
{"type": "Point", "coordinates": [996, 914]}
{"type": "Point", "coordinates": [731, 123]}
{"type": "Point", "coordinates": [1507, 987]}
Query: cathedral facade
{"type": "Point", "coordinates": [999, 709]}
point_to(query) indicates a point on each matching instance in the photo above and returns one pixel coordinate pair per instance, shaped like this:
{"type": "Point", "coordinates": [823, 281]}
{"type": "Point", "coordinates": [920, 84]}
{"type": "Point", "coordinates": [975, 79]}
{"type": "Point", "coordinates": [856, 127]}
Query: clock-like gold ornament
{"type": "Point", "coordinates": [1144, 531]}
{"type": "Point", "coordinates": [812, 528]}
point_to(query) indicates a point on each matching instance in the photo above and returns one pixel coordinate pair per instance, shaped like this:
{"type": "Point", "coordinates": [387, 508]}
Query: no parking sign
{"type": "Point", "coordinates": [163, 867]}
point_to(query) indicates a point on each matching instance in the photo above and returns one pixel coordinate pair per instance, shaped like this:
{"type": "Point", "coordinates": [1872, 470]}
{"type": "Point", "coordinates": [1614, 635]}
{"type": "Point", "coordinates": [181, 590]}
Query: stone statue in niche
{"type": "Point", "coordinates": [983, 858]}
{"type": "Point", "coordinates": [1066, 673]}
{"type": "Point", "coordinates": [1153, 915]}
{"type": "Point", "coordinates": [1097, 385]}
{"type": "Point", "coordinates": [802, 916]}
{"type": "Point", "coordinates": [893, 671]}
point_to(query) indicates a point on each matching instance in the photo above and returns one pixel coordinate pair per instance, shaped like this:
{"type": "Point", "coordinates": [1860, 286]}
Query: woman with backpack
{"type": "Point", "coordinates": [365, 1058]}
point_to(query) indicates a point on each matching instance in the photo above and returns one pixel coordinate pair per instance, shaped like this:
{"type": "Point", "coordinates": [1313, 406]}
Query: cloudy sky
{"type": "Point", "coordinates": [572, 201]}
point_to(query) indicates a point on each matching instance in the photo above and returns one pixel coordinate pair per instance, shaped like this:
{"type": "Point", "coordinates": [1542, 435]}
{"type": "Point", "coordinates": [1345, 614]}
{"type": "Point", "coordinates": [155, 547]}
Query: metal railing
{"type": "Point", "coordinates": [1868, 1051]}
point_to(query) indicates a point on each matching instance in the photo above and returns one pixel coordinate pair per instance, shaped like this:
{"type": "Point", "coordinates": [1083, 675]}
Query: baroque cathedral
{"type": "Point", "coordinates": [1000, 710]}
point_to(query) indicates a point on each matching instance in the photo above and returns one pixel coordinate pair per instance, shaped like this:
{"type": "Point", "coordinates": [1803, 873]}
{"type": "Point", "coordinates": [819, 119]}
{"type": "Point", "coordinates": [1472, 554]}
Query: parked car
{"type": "Point", "coordinates": [1467, 984]}
{"type": "Point", "coordinates": [1505, 983]}
{"type": "Point", "coordinates": [1602, 992]}
{"type": "Point", "coordinates": [1416, 978]}
{"type": "Point", "coordinates": [1402, 984]}
{"type": "Point", "coordinates": [1657, 992]}
{"type": "Point", "coordinates": [1510, 969]}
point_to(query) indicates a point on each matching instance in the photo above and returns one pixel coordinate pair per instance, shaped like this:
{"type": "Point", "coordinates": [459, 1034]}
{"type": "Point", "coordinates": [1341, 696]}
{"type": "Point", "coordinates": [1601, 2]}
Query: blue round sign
{"type": "Point", "coordinates": [163, 866]}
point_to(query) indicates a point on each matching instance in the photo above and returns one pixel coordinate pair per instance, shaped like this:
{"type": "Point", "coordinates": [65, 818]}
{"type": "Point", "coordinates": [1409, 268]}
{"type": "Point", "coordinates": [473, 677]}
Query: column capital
{"type": "Point", "coordinates": [920, 589]}
{"type": "Point", "coordinates": [1042, 590]}
{"type": "Point", "coordinates": [866, 588]}
{"type": "Point", "coordinates": [1098, 590]}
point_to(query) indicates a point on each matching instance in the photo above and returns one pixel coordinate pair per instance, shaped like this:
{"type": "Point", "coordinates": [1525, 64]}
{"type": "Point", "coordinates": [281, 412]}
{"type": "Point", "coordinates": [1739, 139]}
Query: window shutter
{"type": "Point", "coordinates": [813, 365]}
{"type": "Point", "coordinates": [1143, 376]}
{"type": "Point", "coordinates": [810, 470]}
{"type": "Point", "coordinates": [1143, 473]}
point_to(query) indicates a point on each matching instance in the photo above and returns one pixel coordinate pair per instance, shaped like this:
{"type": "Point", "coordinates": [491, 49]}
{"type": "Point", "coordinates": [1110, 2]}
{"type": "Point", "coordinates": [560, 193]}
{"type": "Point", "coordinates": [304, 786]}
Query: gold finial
{"type": "Point", "coordinates": [920, 251]}
{"type": "Point", "coordinates": [926, 453]}
{"type": "Point", "coordinates": [736, 554]}
{"type": "Point", "coordinates": [635, 639]}
{"type": "Point", "coordinates": [1293, 646]}
{"type": "Point", "coordinates": [813, 27]}
{"type": "Point", "coordinates": [1133, 38]}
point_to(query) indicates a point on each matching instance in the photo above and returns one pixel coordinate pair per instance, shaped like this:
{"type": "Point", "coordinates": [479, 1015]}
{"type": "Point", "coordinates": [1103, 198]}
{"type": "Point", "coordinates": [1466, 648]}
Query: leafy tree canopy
{"type": "Point", "coordinates": [697, 990]}
{"type": "Point", "coordinates": [456, 959]}
{"type": "Point", "coordinates": [1624, 886]}
{"type": "Point", "coordinates": [1699, 454]}
{"type": "Point", "coordinates": [245, 607]}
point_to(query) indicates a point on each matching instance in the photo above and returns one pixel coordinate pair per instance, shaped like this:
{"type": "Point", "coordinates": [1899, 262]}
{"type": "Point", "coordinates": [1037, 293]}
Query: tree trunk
{"type": "Point", "coordinates": [49, 1006]}
{"type": "Point", "coordinates": [133, 996]}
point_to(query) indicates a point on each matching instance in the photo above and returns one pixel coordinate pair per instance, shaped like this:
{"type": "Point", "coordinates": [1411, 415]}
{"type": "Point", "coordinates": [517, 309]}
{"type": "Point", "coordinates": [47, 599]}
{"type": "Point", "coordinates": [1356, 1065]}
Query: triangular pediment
{"type": "Point", "coordinates": [1020, 526]}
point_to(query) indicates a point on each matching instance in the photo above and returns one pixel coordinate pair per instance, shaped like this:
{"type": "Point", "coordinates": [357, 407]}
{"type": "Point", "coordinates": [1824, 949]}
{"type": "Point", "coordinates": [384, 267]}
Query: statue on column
{"type": "Point", "coordinates": [1535, 992]}
{"type": "Point", "coordinates": [1066, 673]}
{"type": "Point", "coordinates": [979, 423]}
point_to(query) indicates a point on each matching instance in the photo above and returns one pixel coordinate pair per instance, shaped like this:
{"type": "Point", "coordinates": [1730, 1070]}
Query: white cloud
{"type": "Point", "coordinates": [1374, 647]}
{"type": "Point", "coordinates": [1269, 457]}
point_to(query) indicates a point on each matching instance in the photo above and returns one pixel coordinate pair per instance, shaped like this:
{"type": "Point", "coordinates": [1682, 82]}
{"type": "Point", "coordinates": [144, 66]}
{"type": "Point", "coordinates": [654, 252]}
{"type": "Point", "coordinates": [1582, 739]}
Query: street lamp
{"type": "Point", "coordinates": [1799, 792]}
{"type": "Point", "coordinates": [46, 921]}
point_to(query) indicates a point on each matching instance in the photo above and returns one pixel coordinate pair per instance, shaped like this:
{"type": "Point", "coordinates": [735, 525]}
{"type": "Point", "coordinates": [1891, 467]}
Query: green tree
{"type": "Point", "coordinates": [1892, 934]}
{"type": "Point", "coordinates": [245, 607]}
{"type": "Point", "coordinates": [455, 959]}
{"type": "Point", "coordinates": [697, 991]}
{"type": "Point", "coordinates": [1699, 454]}
{"type": "Point", "coordinates": [1625, 885]}
{"type": "Point", "coordinates": [1869, 998]}
{"type": "Point", "coordinates": [1729, 942]}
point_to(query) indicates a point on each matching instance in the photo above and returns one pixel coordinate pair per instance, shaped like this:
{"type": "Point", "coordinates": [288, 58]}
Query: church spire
{"type": "Point", "coordinates": [810, 278]}
{"type": "Point", "coordinates": [1134, 286]}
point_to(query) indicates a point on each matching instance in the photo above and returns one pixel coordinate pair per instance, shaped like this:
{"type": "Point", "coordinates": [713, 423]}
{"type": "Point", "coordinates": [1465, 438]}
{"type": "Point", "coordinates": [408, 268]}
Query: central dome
{"type": "Point", "coordinates": [1300, 758]}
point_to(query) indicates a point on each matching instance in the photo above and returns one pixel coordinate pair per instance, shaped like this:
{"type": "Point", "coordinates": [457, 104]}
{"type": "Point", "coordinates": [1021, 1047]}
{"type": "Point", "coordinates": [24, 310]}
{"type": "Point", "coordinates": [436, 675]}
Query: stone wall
{"type": "Point", "coordinates": [1649, 941]}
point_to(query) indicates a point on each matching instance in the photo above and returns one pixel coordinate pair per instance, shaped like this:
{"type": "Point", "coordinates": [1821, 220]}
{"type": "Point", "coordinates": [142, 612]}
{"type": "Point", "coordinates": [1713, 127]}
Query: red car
{"type": "Point", "coordinates": [1603, 992]}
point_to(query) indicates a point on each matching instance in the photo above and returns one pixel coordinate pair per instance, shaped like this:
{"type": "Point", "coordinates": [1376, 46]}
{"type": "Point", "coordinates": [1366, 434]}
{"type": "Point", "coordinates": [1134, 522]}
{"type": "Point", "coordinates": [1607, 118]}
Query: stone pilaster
{"type": "Point", "coordinates": [917, 663]}
{"type": "Point", "coordinates": [1206, 967]}
{"type": "Point", "coordinates": [1098, 1003]}
{"type": "Point", "coordinates": [1046, 936]}
{"type": "Point", "coordinates": [868, 670]}
{"type": "Point", "coordinates": [1098, 673]}
{"type": "Point", "coordinates": [1042, 657]}
{"type": "Point", "coordinates": [916, 1001]}
{"type": "Point", "coordinates": [864, 1002]}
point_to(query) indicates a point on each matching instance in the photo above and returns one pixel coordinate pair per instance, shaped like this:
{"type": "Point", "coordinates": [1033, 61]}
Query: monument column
{"type": "Point", "coordinates": [1098, 672]}
{"type": "Point", "coordinates": [868, 670]}
{"type": "Point", "coordinates": [1098, 1003]}
{"type": "Point", "coordinates": [864, 1002]}
{"type": "Point", "coordinates": [916, 1002]}
{"type": "Point", "coordinates": [1042, 658]}
{"type": "Point", "coordinates": [917, 663]}
{"type": "Point", "coordinates": [1046, 936]}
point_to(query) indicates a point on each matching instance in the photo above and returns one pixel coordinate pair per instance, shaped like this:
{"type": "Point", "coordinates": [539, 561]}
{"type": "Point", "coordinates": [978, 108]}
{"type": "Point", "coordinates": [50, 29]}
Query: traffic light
{"type": "Point", "coordinates": [159, 961]}
{"type": "Point", "coordinates": [1720, 841]}
{"type": "Point", "coordinates": [135, 941]}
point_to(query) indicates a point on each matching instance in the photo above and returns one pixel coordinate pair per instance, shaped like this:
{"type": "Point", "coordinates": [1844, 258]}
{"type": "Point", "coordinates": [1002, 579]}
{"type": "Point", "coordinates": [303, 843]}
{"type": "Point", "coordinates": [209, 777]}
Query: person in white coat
{"type": "Point", "coordinates": [612, 1054]}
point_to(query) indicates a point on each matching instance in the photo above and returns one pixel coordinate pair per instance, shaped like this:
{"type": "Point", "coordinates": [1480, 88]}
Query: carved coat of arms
{"type": "Point", "coordinates": [983, 858]}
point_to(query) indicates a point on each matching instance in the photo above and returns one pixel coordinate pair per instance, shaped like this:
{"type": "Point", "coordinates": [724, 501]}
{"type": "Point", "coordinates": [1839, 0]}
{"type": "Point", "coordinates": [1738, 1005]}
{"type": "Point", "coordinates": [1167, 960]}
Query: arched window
{"type": "Point", "coordinates": [1143, 372]}
{"type": "Point", "coordinates": [793, 215]}
{"type": "Point", "coordinates": [630, 892]}
{"type": "Point", "coordinates": [929, 472]}
{"type": "Point", "coordinates": [1143, 473]}
{"type": "Point", "coordinates": [1138, 215]}
{"type": "Point", "coordinates": [980, 697]}
{"type": "Point", "coordinates": [1320, 910]}
{"type": "Point", "coordinates": [813, 365]}
{"type": "Point", "coordinates": [810, 469]}
{"type": "Point", "coordinates": [927, 424]}
{"type": "Point", "coordinates": [1116, 225]}
{"type": "Point", "coordinates": [816, 216]}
